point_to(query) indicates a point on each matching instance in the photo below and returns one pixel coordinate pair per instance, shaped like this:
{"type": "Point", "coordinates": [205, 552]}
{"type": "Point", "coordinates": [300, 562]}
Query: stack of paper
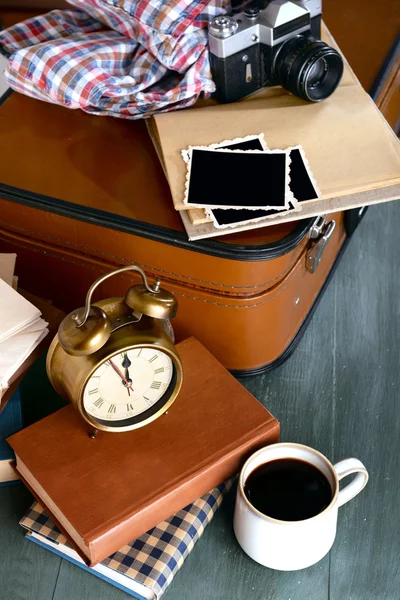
{"type": "Point", "coordinates": [21, 325]}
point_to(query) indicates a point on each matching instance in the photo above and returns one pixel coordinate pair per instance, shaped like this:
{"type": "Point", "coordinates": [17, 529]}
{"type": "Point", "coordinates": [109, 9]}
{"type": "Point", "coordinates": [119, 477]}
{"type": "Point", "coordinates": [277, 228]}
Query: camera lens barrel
{"type": "Point", "coordinates": [308, 68]}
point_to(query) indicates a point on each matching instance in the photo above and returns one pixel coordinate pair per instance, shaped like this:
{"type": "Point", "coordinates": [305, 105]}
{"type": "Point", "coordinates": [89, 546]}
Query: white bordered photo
{"type": "Point", "coordinates": [238, 179]}
{"type": "Point", "coordinates": [225, 219]}
{"type": "Point", "coordinates": [250, 142]}
{"type": "Point", "coordinates": [302, 181]}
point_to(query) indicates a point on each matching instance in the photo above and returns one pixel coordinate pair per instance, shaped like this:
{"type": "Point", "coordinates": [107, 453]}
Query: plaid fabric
{"type": "Point", "coordinates": [122, 58]}
{"type": "Point", "coordinates": [155, 557]}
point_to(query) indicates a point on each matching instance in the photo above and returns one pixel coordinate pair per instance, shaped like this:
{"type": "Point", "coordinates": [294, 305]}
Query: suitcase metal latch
{"type": "Point", "coordinates": [320, 232]}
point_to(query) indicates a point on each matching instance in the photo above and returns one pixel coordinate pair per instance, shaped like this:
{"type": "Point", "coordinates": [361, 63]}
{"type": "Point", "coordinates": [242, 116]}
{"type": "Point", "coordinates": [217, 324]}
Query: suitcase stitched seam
{"type": "Point", "coordinates": [153, 268]}
{"type": "Point", "coordinates": [74, 262]}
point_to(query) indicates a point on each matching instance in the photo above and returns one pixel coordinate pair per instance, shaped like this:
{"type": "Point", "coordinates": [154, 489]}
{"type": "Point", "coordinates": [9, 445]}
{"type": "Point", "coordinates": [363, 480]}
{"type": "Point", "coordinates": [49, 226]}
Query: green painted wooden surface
{"type": "Point", "coordinates": [339, 393]}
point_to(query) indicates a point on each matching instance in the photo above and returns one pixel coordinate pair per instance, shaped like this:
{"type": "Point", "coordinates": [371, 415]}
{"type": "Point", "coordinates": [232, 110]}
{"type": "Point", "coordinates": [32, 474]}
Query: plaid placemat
{"type": "Point", "coordinates": [127, 59]}
{"type": "Point", "coordinates": [152, 559]}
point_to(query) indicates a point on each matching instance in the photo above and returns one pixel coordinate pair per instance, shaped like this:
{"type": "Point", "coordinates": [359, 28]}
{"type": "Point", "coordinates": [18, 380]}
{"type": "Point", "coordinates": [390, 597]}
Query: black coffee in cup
{"type": "Point", "coordinates": [288, 489]}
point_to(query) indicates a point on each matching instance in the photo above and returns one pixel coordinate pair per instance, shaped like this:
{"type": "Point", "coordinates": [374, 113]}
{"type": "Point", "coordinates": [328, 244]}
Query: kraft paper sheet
{"type": "Point", "coordinates": [349, 146]}
{"type": "Point", "coordinates": [325, 207]}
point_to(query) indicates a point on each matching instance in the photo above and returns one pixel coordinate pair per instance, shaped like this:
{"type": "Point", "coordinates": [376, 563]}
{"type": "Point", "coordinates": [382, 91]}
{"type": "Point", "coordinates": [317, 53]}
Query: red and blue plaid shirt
{"type": "Point", "coordinates": [123, 58]}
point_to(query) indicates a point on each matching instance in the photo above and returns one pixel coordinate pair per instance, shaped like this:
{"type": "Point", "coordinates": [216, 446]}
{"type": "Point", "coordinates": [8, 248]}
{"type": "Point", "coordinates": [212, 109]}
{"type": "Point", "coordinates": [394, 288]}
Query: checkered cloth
{"type": "Point", "coordinates": [127, 59]}
{"type": "Point", "coordinates": [152, 559]}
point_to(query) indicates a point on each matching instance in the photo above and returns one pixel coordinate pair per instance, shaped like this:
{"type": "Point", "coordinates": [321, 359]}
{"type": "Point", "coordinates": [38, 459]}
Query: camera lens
{"type": "Point", "coordinates": [318, 73]}
{"type": "Point", "coordinates": [308, 68]}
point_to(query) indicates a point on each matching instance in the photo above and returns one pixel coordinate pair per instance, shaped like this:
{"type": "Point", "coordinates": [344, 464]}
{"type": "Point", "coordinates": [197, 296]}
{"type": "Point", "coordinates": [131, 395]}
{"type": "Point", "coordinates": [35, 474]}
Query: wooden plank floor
{"type": "Point", "coordinates": [339, 393]}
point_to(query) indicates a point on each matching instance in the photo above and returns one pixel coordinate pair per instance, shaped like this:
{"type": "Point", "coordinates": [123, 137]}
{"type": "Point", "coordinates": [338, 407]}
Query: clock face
{"type": "Point", "coordinates": [128, 385]}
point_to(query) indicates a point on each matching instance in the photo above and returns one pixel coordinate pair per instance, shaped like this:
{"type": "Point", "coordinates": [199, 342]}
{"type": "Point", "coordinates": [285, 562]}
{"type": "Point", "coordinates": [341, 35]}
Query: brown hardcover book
{"type": "Point", "coordinates": [107, 491]}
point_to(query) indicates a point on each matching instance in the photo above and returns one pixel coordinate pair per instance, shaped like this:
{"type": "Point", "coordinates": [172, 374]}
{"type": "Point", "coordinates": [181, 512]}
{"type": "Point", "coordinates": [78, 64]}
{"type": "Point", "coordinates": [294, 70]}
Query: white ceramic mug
{"type": "Point", "coordinates": [292, 545]}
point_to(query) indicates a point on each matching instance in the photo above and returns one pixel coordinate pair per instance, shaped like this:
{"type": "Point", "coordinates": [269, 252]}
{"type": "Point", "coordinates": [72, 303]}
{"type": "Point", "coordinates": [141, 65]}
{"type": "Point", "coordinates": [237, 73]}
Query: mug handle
{"type": "Point", "coordinates": [346, 467]}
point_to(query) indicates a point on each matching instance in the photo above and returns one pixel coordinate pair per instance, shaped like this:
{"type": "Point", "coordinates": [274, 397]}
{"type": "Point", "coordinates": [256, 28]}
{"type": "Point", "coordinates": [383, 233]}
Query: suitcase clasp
{"type": "Point", "coordinates": [317, 228]}
{"type": "Point", "coordinates": [320, 233]}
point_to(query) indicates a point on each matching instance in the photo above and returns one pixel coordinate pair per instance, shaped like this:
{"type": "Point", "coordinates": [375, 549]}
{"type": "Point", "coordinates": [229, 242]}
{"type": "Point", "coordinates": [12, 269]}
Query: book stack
{"type": "Point", "coordinates": [97, 495]}
{"type": "Point", "coordinates": [219, 163]}
{"type": "Point", "coordinates": [21, 325]}
{"type": "Point", "coordinates": [145, 567]}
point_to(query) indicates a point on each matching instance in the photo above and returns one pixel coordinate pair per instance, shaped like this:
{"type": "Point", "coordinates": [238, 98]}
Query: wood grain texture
{"type": "Point", "coordinates": [24, 573]}
{"type": "Point", "coordinates": [338, 393]}
{"type": "Point", "coordinates": [76, 584]}
{"type": "Point", "coordinates": [366, 420]}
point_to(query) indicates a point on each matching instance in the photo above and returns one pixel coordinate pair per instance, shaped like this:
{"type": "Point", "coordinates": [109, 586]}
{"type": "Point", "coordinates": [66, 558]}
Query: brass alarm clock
{"type": "Point", "coordinates": [115, 359]}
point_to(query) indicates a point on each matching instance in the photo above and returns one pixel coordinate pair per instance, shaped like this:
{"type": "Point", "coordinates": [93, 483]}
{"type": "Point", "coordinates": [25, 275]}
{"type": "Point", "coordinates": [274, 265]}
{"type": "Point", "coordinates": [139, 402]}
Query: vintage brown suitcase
{"type": "Point", "coordinates": [82, 195]}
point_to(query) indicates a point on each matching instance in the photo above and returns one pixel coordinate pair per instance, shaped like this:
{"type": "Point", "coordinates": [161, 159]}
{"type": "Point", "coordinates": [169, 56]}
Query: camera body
{"type": "Point", "coordinates": [265, 47]}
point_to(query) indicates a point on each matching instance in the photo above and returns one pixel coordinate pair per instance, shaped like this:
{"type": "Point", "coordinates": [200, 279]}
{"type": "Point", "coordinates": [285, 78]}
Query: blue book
{"type": "Point", "coordinates": [145, 567]}
{"type": "Point", "coordinates": [10, 423]}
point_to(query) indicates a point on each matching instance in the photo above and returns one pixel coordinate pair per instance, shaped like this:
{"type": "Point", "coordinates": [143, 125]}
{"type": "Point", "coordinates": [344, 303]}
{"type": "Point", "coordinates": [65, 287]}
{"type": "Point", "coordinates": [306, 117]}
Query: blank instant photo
{"type": "Point", "coordinates": [302, 184]}
{"type": "Point", "coordinates": [228, 217]}
{"type": "Point", "coordinates": [236, 179]}
{"type": "Point", "coordinates": [250, 142]}
{"type": "Point", "coordinates": [231, 218]}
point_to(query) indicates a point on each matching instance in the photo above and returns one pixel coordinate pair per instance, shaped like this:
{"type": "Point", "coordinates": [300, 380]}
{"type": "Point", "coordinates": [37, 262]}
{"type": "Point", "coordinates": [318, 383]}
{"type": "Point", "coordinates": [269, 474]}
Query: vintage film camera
{"type": "Point", "coordinates": [277, 44]}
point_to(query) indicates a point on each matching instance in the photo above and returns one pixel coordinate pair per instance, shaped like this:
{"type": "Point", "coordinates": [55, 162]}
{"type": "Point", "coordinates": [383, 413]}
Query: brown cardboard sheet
{"type": "Point", "coordinates": [309, 209]}
{"type": "Point", "coordinates": [349, 146]}
{"type": "Point", "coordinates": [197, 215]}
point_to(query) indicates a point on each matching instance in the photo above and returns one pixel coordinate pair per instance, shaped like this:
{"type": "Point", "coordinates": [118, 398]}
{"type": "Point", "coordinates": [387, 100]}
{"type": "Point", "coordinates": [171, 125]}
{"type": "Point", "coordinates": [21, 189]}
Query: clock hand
{"type": "Point", "coordinates": [126, 382]}
{"type": "Point", "coordinates": [126, 363]}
